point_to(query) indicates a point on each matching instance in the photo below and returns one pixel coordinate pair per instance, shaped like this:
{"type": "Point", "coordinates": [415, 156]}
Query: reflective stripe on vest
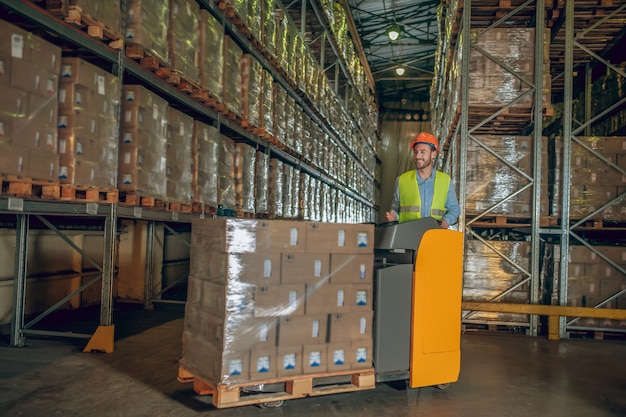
{"type": "Point", "coordinates": [410, 201]}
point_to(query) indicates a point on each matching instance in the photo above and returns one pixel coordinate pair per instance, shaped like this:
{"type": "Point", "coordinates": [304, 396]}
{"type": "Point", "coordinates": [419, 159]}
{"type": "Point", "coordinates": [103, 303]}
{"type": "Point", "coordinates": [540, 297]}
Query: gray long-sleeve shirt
{"type": "Point", "coordinates": [427, 191]}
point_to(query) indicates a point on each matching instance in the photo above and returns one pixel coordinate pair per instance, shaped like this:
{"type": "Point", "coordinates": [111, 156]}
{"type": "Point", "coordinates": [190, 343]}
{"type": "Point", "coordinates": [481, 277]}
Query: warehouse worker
{"type": "Point", "coordinates": [424, 192]}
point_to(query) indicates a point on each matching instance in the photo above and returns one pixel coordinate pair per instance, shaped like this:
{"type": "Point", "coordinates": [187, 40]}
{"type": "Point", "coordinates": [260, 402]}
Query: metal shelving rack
{"type": "Point", "coordinates": [47, 211]}
{"type": "Point", "coordinates": [579, 47]}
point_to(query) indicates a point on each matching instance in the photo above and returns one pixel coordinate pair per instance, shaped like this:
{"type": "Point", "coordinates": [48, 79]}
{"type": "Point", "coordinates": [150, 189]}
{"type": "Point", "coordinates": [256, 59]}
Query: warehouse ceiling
{"type": "Point", "coordinates": [414, 50]}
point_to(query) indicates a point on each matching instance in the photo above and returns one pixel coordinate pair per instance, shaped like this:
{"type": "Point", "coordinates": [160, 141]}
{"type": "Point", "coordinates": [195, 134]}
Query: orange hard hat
{"type": "Point", "coordinates": [426, 138]}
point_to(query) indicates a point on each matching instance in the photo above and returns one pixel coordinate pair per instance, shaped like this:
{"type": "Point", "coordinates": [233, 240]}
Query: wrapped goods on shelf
{"type": "Point", "coordinates": [267, 103]}
{"type": "Point", "coordinates": [107, 12]}
{"type": "Point", "coordinates": [286, 46]}
{"type": "Point", "coordinates": [308, 137]}
{"type": "Point", "coordinates": [276, 187]}
{"type": "Point", "coordinates": [288, 191]}
{"type": "Point", "coordinates": [489, 276]}
{"type": "Point", "coordinates": [255, 14]}
{"type": "Point", "coordinates": [182, 36]}
{"type": "Point", "coordinates": [232, 75]}
{"type": "Point", "coordinates": [211, 57]}
{"type": "Point", "coordinates": [143, 151]}
{"type": "Point", "coordinates": [270, 22]}
{"type": "Point", "coordinates": [594, 182]}
{"type": "Point", "coordinates": [245, 156]}
{"type": "Point", "coordinates": [251, 85]}
{"type": "Point", "coordinates": [591, 280]}
{"type": "Point", "coordinates": [89, 100]}
{"type": "Point", "coordinates": [146, 27]}
{"type": "Point", "coordinates": [490, 83]}
{"type": "Point", "coordinates": [226, 174]}
{"type": "Point", "coordinates": [279, 111]}
{"type": "Point", "coordinates": [261, 189]}
{"type": "Point", "coordinates": [491, 179]}
{"type": "Point", "coordinates": [289, 120]}
{"type": "Point", "coordinates": [29, 77]}
{"type": "Point", "coordinates": [296, 184]}
{"type": "Point", "coordinates": [259, 296]}
{"type": "Point", "coordinates": [298, 129]}
{"type": "Point", "coordinates": [206, 159]}
{"type": "Point", "coordinates": [179, 160]}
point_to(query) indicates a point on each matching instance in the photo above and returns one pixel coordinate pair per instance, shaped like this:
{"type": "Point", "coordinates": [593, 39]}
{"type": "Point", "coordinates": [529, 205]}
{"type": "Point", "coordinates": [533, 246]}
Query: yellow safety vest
{"type": "Point", "coordinates": [410, 201]}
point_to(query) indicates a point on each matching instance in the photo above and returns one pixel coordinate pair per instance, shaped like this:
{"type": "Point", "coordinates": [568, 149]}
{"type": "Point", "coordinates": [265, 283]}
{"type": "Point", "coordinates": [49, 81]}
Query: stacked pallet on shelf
{"type": "Point", "coordinates": [488, 275]}
{"type": "Point", "coordinates": [593, 182]}
{"type": "Point", "coordinates": [146, 32]}
{"type": "Point", "coordinates": [245, 164]}
{"type": "Point", "coordinates": [179, 164]}
{"type": "Point", "coordinates": [89, 100]}
{"type": "Point", "coordinates": [231, 83]}
{"type": "Point", "coordinates": [28, 110]}
{"type": "Point", "coordinates": [251, 85]}
{"type": "Point", "coordinates": [226, 197]}
{"type": "Point", "coordinates": [261, 184]}
{"type": "Point", "coordinates": [182, 37]}
{"type": "Point", "coordinates": [273, 321]}
{"type": "Point", "coordinates": [143, 144]}
{"type": "Point", "coordinates": [205, 155]}
{"type": "Point", "coordinates": [491, 178]}
{"type": "Point", "coordinates": [591, 282]}
{"type": "Point", "coordinates": [211, 61]}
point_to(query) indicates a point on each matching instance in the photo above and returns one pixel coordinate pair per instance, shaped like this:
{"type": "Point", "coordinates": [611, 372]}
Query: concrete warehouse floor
{"type": "Point", "coordinates": [501, 376]}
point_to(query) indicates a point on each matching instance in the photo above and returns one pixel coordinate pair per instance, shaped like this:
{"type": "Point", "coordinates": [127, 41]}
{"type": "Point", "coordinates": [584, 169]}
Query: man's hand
{"type": "Point", "coordinates": [444, 224]}
{"type": "Point", "coordinates": [391, 216]}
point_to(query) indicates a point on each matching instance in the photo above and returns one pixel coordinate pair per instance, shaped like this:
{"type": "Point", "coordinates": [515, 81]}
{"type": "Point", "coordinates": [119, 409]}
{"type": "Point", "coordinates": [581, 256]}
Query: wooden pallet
{"type": "Point", "coordinates": [94, 27]}
{"type": "Point", "coordinates": [135, 199]}
{"type": "Point", "coordinates": [179, 207]}
{"type": "Point", "coordinates": [198, 207]}
{"type": "Point", "coordinates": [301, 386]}
{"type": "Point", "coordinates": [89, 194]}
{"type": "Point", "coordinates": [179, 80]}
{"type": "Point", "coordinates": [145, 58]}
{"type": "Point", "coordinates": [27, 187]}
{"type": "Point", "coordinates": [502, 221]}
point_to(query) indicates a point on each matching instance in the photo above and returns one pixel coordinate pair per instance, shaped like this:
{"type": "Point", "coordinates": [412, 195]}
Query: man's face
{"type": "Point", "coordinates": [423, 155]}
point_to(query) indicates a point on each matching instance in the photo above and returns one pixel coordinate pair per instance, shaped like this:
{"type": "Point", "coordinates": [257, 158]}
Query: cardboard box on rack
{"type": "Point", "coordinates": [308, 330]}
{"type": "Point", "coordinates": [304, 267]}
{"type": "Point", "coordinates": [351, 268]}
{"type": "Point", "coordinates": [328, 298]}
{"type": "Point", "coordinates": [279, 300]}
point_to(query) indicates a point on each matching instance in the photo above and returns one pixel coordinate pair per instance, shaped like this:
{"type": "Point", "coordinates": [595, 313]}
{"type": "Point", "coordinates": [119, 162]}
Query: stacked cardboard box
{"type": "Point", "coordinates": [89, 100]}
{"type": "Point", "coordinates": [591, 281]}
{"type": "Point", "coordinates": [143, 152]}
{"type": "Point", "coordinates": [146, 26]}
{"type": "Point", "coordinates": [593, 182]}
{"type": "Point", "coordinates": [205, 157]}
{"type": "Point", "coordinates": [182, 37]}
{"type": "Point", "coordinates": [179, 160]}
{"type": "Point", "coordinates": [29, 68]}
{"type": "Point", "coordinates": [278, 298]}
{"type": "Point", "coordinates": [490, 180]}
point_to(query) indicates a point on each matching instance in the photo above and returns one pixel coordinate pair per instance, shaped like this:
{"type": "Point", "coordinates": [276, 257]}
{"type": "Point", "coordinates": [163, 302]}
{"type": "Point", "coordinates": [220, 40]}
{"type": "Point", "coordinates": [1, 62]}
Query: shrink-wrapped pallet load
{"type": "Point", "coordinates": [205, 158]}
{"type": "Point", "coordinates": [147, 27]}
{"type": "Point", "coordinates": [211, 59]}
{"type": "Point", "coordinates": [183, 37]}
{"type": "Point", "coordinates": [179, 159]}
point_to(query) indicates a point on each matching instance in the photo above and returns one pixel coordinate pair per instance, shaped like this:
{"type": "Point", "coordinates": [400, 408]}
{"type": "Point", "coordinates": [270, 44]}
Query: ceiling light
{"type": "Point", "coordinates": [394, 31]}
{"type": "Point", "coordinates": [400, 71]}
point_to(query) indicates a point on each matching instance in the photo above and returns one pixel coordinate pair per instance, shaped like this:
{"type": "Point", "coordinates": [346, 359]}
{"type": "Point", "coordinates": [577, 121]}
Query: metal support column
{"type": "Point", "coordinates": [464, 131]}
{"type": "Point", "coordinates": [567, 143]}
{"type": "Point", "coordinates": [537, 157]}
{"type": "Point", "coordinates": [149, 268]}
{"type": "Point", "coordinates": [108, 267]}
{"type": "Point", "coordinates": [19, 280]}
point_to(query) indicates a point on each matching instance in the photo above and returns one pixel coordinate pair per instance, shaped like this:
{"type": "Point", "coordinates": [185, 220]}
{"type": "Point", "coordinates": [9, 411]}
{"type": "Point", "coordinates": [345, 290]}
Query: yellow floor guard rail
{"type": "Point", "coordinates": [553, 312]}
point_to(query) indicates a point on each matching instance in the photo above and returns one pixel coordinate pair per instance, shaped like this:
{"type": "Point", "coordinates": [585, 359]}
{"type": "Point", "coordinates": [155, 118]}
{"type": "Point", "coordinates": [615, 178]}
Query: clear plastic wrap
{"type": "Point", "coordinates": [288, 191]}
{"type": "Point", "coordinates": [279, 112]}
{"type": "Point", "coordinates": [183, 38]}
{"type": "Point", "coordinates": [262, 169]}
{"type": "Point", "coordinates": [226, 174]}
{"type": "Point", "coordinates": [275, 194]}
{"type": "Point", "coordinates": [142, 160]}
{"type": "Point", "coordinates": [211, 54]}
{"type": "Point", "coordinates": [245, 156]}
{"type": "Point", "coordinates": [179, 160]}
{"type": "Point", "coordinates": [251, 72]}
{"type": "Point", "coordinates": [107, 12]}
{"type": "Point", "coordinates": [206, 156]}
{"type": "Point", "coordinates": [490, 180]}
{"type": "Point", "coordinates": [255, 14]}
{"type": "Point", "coordinates": [232, 75]}
{"type": "Point", "coordinates": [88, 125]}
{"type": "Point", "coordinates": [269, 22]}
{"type": "Point", "coordinates": [487, 276]}
{"type": "Point", "coordinates": [146, 26]}
{"type": "Point", "coordinates": [267, 103]}
{"type": "Point", "coordinates": [258, 299]}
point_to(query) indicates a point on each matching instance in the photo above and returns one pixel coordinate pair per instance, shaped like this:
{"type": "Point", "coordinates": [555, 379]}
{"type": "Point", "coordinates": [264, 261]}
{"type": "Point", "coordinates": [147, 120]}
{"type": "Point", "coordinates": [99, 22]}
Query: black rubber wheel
{"type": "Point", "coordinates": [271, 404]}
{"type": "Point", "coordinates": [442, 386]}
